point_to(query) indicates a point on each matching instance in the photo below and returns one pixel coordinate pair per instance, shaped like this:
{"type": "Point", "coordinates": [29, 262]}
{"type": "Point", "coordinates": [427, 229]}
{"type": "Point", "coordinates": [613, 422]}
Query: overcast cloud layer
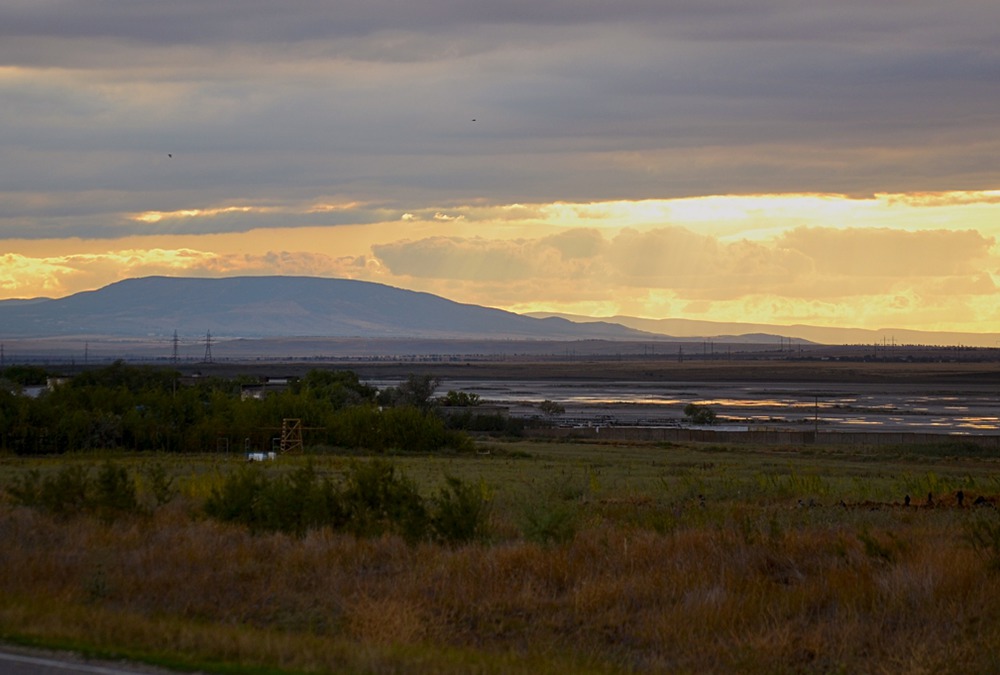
{"type": "Point", "coordinates": [135, 122]}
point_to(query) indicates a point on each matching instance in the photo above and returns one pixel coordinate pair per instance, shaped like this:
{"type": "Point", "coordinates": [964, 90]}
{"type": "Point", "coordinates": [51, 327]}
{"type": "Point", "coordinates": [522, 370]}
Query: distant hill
{"type": "Point", "coordinates": [755, 332]}
{"type": "Point", "coordinates": [280, 307]}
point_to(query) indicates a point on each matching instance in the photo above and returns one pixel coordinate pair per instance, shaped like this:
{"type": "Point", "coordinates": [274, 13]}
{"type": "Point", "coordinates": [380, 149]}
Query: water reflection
{"type": "Point", "coordinates": [957, 409]}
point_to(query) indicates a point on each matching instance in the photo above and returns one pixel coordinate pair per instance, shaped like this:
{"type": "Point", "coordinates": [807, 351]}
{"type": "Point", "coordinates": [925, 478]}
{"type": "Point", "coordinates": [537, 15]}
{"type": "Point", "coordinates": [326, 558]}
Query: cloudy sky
{"type": "Point", "coordinates": [778, 161]}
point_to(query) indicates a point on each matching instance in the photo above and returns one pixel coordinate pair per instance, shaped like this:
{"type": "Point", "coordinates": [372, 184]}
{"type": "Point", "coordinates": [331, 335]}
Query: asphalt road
{"type": "Point", "coordinates": [17, 661]}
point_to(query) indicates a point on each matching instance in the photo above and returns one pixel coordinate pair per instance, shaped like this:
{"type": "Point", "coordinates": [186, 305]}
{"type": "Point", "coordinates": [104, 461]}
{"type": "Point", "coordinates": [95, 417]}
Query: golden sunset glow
{"type": "Point", "coordinates": [817, 259]}
{"type": "Point", "coordinates": [820, 164]}
{"type": "Point", "coordinates": [157, 216]}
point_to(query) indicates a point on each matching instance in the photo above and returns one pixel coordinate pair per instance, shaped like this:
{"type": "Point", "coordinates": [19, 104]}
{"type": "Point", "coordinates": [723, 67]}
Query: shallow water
{"type": "Point", "coordinates": [969, 409]}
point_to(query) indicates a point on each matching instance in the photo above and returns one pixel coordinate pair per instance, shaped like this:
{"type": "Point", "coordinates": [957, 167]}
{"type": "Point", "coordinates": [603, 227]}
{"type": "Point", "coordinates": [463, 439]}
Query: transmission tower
{"type": "Point", "coordinates": [208, 347]}
{"type": "Point", "coordinates": [174, 358]}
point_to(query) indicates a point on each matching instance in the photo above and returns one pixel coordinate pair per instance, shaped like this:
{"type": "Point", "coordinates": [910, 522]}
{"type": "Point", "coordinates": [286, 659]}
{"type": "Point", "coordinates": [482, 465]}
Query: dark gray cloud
{"type": "Point", "coordinates": [373, 100]}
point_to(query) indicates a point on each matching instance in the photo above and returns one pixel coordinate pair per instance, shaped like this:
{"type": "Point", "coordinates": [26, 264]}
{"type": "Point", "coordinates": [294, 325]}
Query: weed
{"type": "Point", "coordinates": [159, 483]}
{"type": "Point", "coordinates": [982, 533]}
{"type": "Point", "coordinates": [875, 549]}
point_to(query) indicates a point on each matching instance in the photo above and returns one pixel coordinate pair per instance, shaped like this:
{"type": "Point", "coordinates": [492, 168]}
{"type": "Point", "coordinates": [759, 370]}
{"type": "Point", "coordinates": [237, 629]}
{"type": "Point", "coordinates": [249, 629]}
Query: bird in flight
{"type": "Point", "coordinates": [169, 154]}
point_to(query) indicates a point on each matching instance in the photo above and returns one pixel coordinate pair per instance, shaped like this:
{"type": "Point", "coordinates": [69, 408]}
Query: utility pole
{"type": "Point", "coordinates": [174, 358]}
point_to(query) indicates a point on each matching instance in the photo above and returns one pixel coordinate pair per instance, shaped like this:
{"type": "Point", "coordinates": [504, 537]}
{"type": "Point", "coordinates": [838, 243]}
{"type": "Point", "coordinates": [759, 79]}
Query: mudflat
{"type": "Point", "coordinates": [642, 370]}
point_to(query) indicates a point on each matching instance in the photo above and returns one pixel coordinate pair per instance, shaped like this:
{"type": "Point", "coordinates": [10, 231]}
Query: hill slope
{"type": "Point", "coordinates": [755, 332]}
{"type": "Point", "coordinates": [279, 307]}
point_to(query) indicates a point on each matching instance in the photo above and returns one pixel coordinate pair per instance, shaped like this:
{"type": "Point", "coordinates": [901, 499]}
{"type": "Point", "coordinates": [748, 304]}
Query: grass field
{"type": "Point", "coordinates": [597, 558]}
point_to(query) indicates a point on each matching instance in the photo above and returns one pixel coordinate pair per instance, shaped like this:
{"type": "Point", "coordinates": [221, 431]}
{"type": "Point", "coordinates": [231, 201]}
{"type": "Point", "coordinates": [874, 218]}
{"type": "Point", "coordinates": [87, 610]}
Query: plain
{"type": "Point", "coordinates": [602, 558]}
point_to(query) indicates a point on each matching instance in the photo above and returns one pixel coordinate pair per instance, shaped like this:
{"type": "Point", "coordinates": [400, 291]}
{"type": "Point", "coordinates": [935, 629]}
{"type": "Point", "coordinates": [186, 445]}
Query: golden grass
{"type": "Point", "coordinates": [653, 580]}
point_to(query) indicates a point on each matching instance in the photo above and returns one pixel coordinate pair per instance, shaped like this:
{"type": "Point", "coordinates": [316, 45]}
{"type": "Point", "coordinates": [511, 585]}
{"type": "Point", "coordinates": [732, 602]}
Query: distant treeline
{"type": "Point", "coordinates": [147, 408]}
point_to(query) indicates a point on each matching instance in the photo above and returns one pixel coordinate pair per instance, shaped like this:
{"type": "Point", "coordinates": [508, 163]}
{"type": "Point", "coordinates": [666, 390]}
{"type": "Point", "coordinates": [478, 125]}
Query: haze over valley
{"type": "Point", "coordinates": [299, 317]}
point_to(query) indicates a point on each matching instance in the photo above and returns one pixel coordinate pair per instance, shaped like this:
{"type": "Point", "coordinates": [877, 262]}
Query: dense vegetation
{"type": "Point", "coordinates": [143, 408]}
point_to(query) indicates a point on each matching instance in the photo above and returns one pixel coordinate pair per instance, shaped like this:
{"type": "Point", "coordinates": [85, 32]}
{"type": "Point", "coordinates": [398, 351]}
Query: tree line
{"type": "Point", "coordinates": [150, 408]}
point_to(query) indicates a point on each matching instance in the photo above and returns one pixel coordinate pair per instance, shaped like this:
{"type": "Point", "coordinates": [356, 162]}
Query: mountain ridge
{"type": "Point", "coordinates": [305, 306]}
{"type": "Point", "coordinates": [700, 329]}
{"type": "Point", "coordinates": [280, 306]}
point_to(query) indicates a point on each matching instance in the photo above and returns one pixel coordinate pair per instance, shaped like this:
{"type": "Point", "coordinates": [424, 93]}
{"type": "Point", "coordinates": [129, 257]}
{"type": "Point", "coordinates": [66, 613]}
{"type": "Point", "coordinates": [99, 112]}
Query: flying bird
{"type": "Point", "coordinates": [169, 155]}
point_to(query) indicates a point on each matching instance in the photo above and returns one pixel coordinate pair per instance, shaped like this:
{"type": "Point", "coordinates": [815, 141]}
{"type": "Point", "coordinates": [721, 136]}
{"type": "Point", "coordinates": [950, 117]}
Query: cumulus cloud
{"type": "Point", "coordinates": [804, 263]}
{"type": "Point", "coordinates": [883, 252]}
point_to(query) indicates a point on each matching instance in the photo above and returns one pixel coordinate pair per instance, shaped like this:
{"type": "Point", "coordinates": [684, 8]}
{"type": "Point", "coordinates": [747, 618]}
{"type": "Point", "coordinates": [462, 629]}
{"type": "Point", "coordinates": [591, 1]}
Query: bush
{"type": "Point", "coordinates": [237, 498]}
{"type": "Point", "coordinates": [67, 493]}
{"type": "Point", "coordinates": [26, 489]}
{"type": "Point", "coordinates": [159, 484]}
{"type": "Point", "coordinates": [410, 429]}
{"type": "Point", "coordinates": [551, 517]}
{"type": "Point", "coordinates": [378, 500]}
{"type": "Point", "coordinates": [72, 491]}
{"type": "Point", "coordinates": [114, 493]}
{"type": "Point", "coordinates": [291, 503]}
{"type": "Point", "coordinates": [460, 512]}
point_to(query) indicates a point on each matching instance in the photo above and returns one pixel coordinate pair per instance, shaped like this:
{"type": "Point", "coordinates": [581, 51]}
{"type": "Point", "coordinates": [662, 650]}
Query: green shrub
{"type": "Point", "coordinates": [357, 427]}
{"type": "Point", "coordinates": [460, 512]}
{"type": "Point", "coordinates": [26, 489]}
{"type": "Point", "coordinates": [67, 493]}
{"type": "Point", "coordinates": [412, 429]}
{"type": "Point", "coordinates": [159, 483]}
{"type": "Point", "coordinates": [549, 521]}
{"type": "Point", "coordinates": [297, 502]}
{"type": "Point", "coordinates": [72, 491]}
{"type": "Point", "coordinates": [237, 498]}
{"type": "Point", "coordinates": [114, 493]}
{"type": "Point", "coordinates": [377, 500]}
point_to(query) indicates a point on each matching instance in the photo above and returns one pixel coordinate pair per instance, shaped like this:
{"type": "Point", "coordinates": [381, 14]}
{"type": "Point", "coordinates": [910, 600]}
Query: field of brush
{"type": "Point", "coordinates": [591, 558]}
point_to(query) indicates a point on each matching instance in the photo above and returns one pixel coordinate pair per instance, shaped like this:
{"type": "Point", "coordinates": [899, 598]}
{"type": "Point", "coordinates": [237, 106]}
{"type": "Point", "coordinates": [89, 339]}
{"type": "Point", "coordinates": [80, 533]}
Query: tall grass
{"type": "Point", "coordinates": [743, 575]}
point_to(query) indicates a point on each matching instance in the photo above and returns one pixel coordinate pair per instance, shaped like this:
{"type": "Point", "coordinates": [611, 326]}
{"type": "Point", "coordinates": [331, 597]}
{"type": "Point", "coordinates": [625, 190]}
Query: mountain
{"type": "Point", "coordinates": [754, 332]}
{"type": "Point", "coordinates": [280, 307]}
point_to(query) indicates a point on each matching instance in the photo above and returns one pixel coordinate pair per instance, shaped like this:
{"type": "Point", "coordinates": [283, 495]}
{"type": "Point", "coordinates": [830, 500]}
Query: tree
{"type": "Point", "coordinates": [699, 414]}
{"type": "Point", "coordinates": [551, 407]}
{"type": "Point", "coordinates": [460, 399]}
{"type": "Point", "coordinates": [417, 391]}
{"type": "Point", "coordinates": [341, 388]}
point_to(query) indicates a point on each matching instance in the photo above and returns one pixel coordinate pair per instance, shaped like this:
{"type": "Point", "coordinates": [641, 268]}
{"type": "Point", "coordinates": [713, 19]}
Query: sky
{"type": "Point", "coordinates": [767, 161]}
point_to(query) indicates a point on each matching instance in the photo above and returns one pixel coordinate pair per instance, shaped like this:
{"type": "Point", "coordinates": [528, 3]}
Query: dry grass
{"type": "Point", "coordinates": [683, 559]}
{"type": "Point", "coordinates": [742, 594]}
